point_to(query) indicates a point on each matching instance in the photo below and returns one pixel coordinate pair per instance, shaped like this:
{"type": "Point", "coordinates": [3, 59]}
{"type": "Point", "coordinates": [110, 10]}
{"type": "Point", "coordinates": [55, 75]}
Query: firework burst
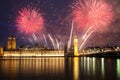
{"type": "Point", "coordinates": [29, 20]}
{"type": "Point", "coordinates": [91, 15]}
{"type": "Point", "coordinates": [96, 13]}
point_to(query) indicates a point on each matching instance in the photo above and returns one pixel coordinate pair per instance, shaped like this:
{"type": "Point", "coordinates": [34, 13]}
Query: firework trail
{"type": "Point", "coordinates": [45, 39]}
{"type": "Point", "coordinates": [29, 20]}
{"type": "Point", "coordinates": [57, 44]}
{"type": "Point", "coordinates": [86, 32]}
{"type": "Point", "coordinates": [52, 40]}
{"type": "Point", "coordinates": [35, 37]}
{"type": "Point", "coordinates": [30, 41]}
{"type": "Point", "coordinates": [85, 39]}
{"type": "Point", "coordinates": [95, 14]}
{"type": "Point", "coordinates": [70, 38]}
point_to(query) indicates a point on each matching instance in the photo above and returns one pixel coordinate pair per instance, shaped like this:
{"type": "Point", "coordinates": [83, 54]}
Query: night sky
{"type": "Point", "coordinates": [57, 21]}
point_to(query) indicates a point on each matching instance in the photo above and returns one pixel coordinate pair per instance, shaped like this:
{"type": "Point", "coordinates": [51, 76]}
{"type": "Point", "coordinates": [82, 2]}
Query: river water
{"type": "Point", "coordinates": [60, 68]}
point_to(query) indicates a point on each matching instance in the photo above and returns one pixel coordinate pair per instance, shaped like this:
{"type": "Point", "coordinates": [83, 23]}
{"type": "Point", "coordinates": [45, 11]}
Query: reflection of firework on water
{"type": "Point", "coordinates": [29, 20]}
{"type": "Point", "coordinates": [91, 15]}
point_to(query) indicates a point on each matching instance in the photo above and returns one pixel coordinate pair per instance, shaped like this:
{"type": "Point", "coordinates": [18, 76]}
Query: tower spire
{"type": "Point", "coordinates": [76, 53]}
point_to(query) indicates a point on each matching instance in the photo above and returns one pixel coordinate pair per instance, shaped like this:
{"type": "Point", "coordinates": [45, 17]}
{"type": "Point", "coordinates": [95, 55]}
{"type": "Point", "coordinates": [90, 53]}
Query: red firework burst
{"type": "Point", "coordinates": [96, 13]}
{"type": "Point", "coordinates": [29, 20]}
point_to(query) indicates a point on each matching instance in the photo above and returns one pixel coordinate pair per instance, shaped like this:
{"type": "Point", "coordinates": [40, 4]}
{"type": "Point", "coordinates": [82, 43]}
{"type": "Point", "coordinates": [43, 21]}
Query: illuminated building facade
{"type": "Point", "coordinates": [76, 53]}
{"type": "Point", "coordinates": [11, 43]}
{"type": "Point", "coordinates": [12, 51]}
{"type": "Point", "coordinates": [1, 50]}
{"type": "Point", "coordinates": [33, 53]}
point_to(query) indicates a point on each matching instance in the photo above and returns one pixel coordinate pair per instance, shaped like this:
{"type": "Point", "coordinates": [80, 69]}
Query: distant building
{"type": "Point", "coordinates": [11, 43]}
{"type": "Point", "coordinates": [1, 50]}
{"type": "Point", "coordinates": [76, 53]}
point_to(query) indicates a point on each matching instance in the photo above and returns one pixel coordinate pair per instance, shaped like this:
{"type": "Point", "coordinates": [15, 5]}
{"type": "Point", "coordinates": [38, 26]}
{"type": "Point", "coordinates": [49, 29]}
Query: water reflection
{"type": "Point", "coordinates": [32, 66]}
{"type": "Point", "coordinates": [43, 65]}
{"type": "Point", "coordinates": [102, 67]}
{"type": "Point", "coordinates": [89, 68]}
{"type": "Point", "coordinates": [60, 68]}
{"type": "Point", "coordinates": [118, 68]}
{"type": "Point", "coordinates": [9, 65]}
{"type": "Point", "coordinates": [76, 68]}
{"type": "Point", "coordinates": [93, 62]}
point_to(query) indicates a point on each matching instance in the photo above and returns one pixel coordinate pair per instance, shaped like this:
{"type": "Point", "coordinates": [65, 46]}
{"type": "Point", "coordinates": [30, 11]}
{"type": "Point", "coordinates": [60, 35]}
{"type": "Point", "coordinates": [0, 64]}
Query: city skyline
{"type": "Point", "coordinates": [57, 22]}
{"type": "Point", "coordinates": [59, 39]}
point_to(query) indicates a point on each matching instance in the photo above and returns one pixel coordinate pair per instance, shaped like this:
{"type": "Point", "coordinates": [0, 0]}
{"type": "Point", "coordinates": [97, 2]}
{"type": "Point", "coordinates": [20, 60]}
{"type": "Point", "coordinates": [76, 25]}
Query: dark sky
{"type": "Point", "coordinates": [55, 13]}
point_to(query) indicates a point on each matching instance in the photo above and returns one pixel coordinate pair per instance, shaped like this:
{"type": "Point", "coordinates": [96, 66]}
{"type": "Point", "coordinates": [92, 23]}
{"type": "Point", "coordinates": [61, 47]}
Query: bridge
{"type": "Point", "coordinates": [100, 53]}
